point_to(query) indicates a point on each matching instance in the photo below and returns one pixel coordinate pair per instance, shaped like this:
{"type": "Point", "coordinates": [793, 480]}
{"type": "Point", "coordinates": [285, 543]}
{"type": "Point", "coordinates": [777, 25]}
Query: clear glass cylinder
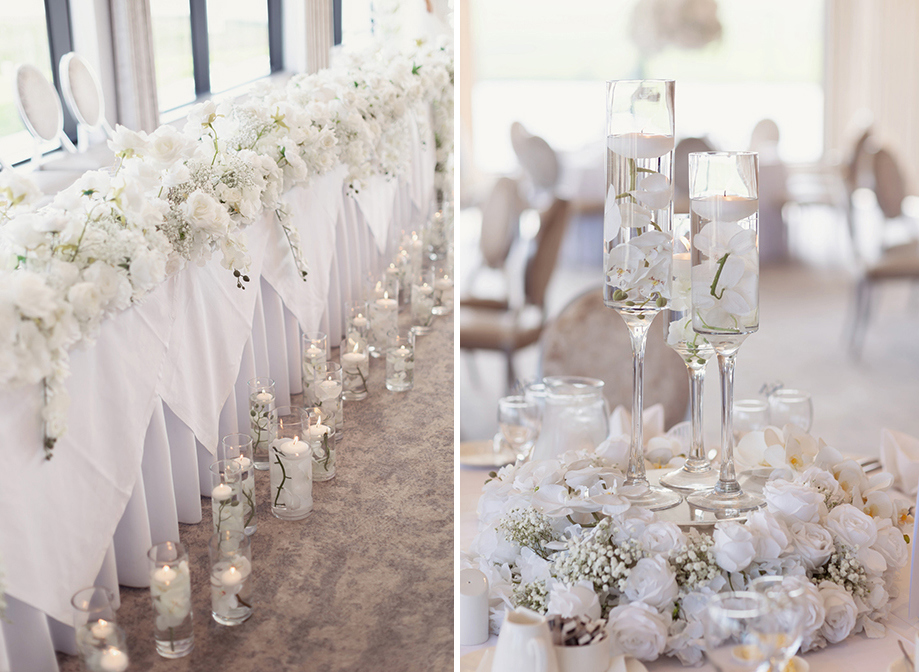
{"type": "Point", "coordinates": [357, 318]}
{"type": "Point", "coordinates": [355, 368]}
{"type": "Point", "coordinates": [400, 364]}
{"type": "Point", "coordinates": [423, 300]}
{"type": "Point", "coordinates": [314, 353]}
{"type": "Point", "coordinates": [576, 416]}
{"type": "Point", "coordinates": [170, 588]}
{"type": "Point", "coordinates": [92, 606]}
{"type": "Point", "coordinates": [436, 236]}
{"type": "Point", "coordinates": [291, 471]}
{"type": "Point", "coordinates": [104, 647]}
{"type": "Point", "coordinates": [321, 435]}
{"type": "Point", "coordinates": [329, 390]}
{"type": "Point", "coordinates": [262, 401]}
{"type": "Point", "coordinates": [227, 502]}
{"type": "Point", "coordinates": [384, 323]}
{"type": "Point", "coordinates": [443, 290]}
{"type": "Point", "coordinates": [238, 447]}
{"type": "Point", "coordinates": [231, 568]}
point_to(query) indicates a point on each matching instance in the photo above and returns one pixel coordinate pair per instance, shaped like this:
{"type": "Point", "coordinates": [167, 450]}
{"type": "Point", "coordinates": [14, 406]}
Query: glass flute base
{"type": "Point", "coordinates": [655, 498]}
{"type": "Point", "coordinates": [175, 648]}
{"type": "Point", "coordinates": [688, 481]}
{"type": "Point", "coordinates": [728, 504]}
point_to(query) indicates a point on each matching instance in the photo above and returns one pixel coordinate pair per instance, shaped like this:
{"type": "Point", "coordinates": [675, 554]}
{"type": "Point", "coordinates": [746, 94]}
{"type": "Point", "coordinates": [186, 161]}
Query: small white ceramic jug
{"type": "Point", "coordinates": [524, 644]}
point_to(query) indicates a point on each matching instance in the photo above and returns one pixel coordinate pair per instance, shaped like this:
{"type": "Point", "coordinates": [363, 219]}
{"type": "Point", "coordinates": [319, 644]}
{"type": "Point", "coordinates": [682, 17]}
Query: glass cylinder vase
{"type": "Point", "coordinates": [384, 323]}
{"type": "Point", "coordinates": [400, 364]}
{"type": "Point", "coordinates": [314, 351]}
{"type": "Point", "coordinates": [355, 367]}
{"type": "Point", "coordinates": [320, 434]}
{"type": "Point", "coordinates": [231, 568]}
{"type": "Point", "coordinates": [329, 391]}
{"type": "Point", "coordinates": [357, 318]}
{"type": "Point", "coordinates": [443, 290]}
{"type": "Point", "coordinates": [104, 647]}
{"type": "Point", "coordinates": [423, 300]}
{"type": "Point", "coordinates": [291, 472]}
{"type": "Point", "coordinates": [262, 400]}
{"type": "Point", "coordinates": [93, 607]}
{"type": "Point", "coordinates": [637, 249]}
{"type": "Point", "coordinates": [226, 496]}
{"type": "Point", "coordinates": [238, 448]}
{"type": "Point", "coordinates": [170, 588]}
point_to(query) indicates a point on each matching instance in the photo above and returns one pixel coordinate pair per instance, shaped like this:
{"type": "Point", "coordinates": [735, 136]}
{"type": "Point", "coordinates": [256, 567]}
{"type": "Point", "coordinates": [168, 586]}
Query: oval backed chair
{"type": "Point", "coordinates": [83, 95]}
{"type": "Point", "coordinates": [589, 339]}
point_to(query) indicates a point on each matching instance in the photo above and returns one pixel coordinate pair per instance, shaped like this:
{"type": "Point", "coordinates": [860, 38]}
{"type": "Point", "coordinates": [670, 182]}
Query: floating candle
{"type": "Point", "coordinates": [640, 145]}
{"type": "Point", "coordinates": [443, 284]}
{"type": "Point", "coordinates": [360, 321]}
{"type": "Point", "coordinates": [113, 660]}
{"type": "Point", "coordinates": [292, 447]}
{"type": "Point", "coordinates": [728, 208]}
{"type": "Point", "coordinates": [318, 431]}
{"type": "Point", "coordinates": [222, 492]}
{"type": "Point", "coordinates": [314, 353]}
{"type": "Point", "coordinates": [101, 629]}
{"type": "Point", "coordinates": [389, 304]}
{"type": "Point", "coordinates": [165, 575]}
{"type": "Point", "coordinates": [231, 578]}
{"type": "Point", "coordinates": [264, 397]}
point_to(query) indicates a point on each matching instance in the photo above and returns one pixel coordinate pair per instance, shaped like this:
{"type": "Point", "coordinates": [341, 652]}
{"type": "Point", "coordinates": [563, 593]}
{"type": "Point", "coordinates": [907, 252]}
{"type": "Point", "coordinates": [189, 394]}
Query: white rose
{"type": "Point", "coordinates": [811, 608]}
{"type": "Point", "coordinates": [577, 600]}
{"type": "Point", "coordinates": [638, 630]}
{"type": "Point", "coordinates": [662, 537]}
{"type": "Point", "coordinates": [86, 301]}
{"type": "Point", "coordinates": [126, 142]}
{"type": "Point", "coordinates": [733, 548]}
{"type": "Point", "coordinates": [168, 145]}
{"type": "Point", "coordinates": [148, 269]}
{"type": "Point", "coordinates": [841, 612]}
{"type": "Point", "coordinates": [653, 582]}
{"type": "Point", "coordinates": [820, 479]}
{"type": "Point", "coordinates": [31, 295]}
{"type": "Point", "coordinates": [770, 536]}
{"type": "Point", "coordinates": [812, 543]}
{"type": "Point", "coordinates": [794, 502]}
{"type": "Point", "coordinates": [25, 231]}
{"type": "Point", "coordinates": [204, 212]}
{"type": "Point", "coordinates": [891, 545]}
{"type": "Point", "coordinates": [852, 526]}
{"type": "Point", "coordinates": [113, 286]}
{"type": "Point", "coordinates": [533, 567]}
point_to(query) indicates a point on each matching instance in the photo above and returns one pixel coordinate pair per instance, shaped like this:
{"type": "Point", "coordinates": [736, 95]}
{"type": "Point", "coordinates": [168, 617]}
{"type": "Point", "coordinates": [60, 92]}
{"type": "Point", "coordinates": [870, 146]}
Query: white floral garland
{"type": "Point", "coordinates": [175, 197]}
{"type": "Point", "coordinates": [560, 537]}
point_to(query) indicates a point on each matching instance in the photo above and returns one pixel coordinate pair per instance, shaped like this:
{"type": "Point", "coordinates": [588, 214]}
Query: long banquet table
{"type": "Point", "coordinates": [164, 380]}
{"type": "Point", "coordinates": [855, 653]}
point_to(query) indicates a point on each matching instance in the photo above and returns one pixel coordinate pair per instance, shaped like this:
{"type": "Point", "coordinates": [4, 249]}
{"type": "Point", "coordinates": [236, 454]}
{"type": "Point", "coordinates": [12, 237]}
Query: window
{"type": "Point", "coordinates": [550, 74]}
{"type": "Point", "coordinates": [211, 46]}
{"type": "Point", "coordinates": [26, 36]}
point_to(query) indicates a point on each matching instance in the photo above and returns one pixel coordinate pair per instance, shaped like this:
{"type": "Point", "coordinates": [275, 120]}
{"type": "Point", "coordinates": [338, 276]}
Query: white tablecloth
{"type": "Point", "coordinates": [163, 382]}
{"type": "Point", "coordinates": [857, 653]}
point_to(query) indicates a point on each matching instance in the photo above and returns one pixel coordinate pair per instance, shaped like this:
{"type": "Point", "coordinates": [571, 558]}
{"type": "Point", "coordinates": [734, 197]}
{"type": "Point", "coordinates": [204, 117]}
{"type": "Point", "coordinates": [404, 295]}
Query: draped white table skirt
{"type": "Point", "coordinates": [164, 381]}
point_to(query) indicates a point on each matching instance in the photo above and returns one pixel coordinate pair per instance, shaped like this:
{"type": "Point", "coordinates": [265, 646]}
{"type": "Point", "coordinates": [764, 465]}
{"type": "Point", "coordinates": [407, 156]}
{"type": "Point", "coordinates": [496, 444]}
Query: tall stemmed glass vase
{"type": "Point", "coordinates": [697, 473]}
{"type": "Point", "coordinates": [637, 242]}
{"type": "Point", "coordinates": [724, 218]}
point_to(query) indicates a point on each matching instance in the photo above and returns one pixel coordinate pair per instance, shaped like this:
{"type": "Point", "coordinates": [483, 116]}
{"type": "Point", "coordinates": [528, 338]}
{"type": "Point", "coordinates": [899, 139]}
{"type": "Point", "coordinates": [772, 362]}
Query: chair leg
{"type": "Point", "coordinates": [511, 373]}
{"type": "Point", "coordinates": [862, 316]}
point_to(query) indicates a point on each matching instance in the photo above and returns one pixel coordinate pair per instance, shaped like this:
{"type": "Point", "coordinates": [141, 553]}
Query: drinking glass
{"type": "Point", "coordinates": [231, 566]}
{"type": "Point", "coordinates": [733, 623]}
{"type": "Point", "coordinates": [785, 619]}
{"type": "Point", "coordinates": [637, 241]}
{"type": "Point", "coordinates": [724, 216]}
{"type": "Point", "coordinates": [170, 588]}
{"type": "Point", "coordinates": [750, 415]}
{"type": "Point", "coordinates": [793, 407]}
{"type": "Point", "coordinates": [697, 473]}
{"type": "Point", "coordinates": [238, 447]}
{"type": "Point", "coordinates": [518, 421]}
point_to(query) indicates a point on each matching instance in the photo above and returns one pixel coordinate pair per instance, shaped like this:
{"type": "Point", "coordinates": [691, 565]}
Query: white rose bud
{"type": "Point", "coordinates": [794, 502]}
{"type": "Point", "coordinates": [638, 630]}
{"type": "Point", "coordinates": [653, 582]}
{"type": "Point", "coordinates": [733, 548]}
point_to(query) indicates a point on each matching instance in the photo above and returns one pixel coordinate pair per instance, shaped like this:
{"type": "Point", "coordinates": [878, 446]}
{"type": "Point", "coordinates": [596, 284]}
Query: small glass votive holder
{"type": "Point", "coordinates": [750, 415]}
{"type": "Point", "coordinates": [104, 647]}
{"type": "Point", "coordinates": [92, 605]}
{"type": "Point", "coordinates": [423, 301]}
{"type": "Point", "coordinates": [231, 566]}
{"type": "Point", "coordinates": [320, 434]}
{"type": "Point", "coordinates": [262, 398]}
{"type": "Point", "coordinates": [791, 407]}
{"type": "Point", "coordinates": [355, 368]}
{"type": "Point", "coordinates": [329, 397]}
{"type": "Point", "coordinates": [357, 318]}
{"type": "Point", "coordinates": [384, 323]}
{"type": "Point", "coordinates": [170, 587]}
{"type": "Point", "coordinates": [400, 364]}
{"type": "Point", "coordinates": [443, 291]}
{"type": "Point", "coordinates": [238, 448]}
{"type": "Point", "coordinates": [291, 472]}
{"type": "Point", "coordinates": [226, 496]}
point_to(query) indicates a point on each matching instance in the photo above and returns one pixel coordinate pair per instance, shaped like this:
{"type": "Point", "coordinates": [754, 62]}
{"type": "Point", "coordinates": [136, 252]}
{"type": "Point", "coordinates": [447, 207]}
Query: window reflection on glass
{"type": "Point", "coordinates": [237, 33]}
{"type": "Point", "coordinates": [23, 39]}
{"type": "Point", "coordinates": [175, 76]}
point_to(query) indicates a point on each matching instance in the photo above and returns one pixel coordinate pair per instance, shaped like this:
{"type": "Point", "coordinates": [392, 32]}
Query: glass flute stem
{"type": "Point", "coordinates": [638, 333]}
{"type": "Point", "coordinates": [727, 483]}
{"type": "Point", "coordinates": [697, 460]}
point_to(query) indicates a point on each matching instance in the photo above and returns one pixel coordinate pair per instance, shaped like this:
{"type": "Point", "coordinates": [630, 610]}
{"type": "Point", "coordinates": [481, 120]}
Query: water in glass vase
{"type": "Point", "coordinates": [636, 225]}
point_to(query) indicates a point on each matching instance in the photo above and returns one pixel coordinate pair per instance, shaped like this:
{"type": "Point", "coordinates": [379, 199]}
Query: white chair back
{"type": "Point", "coordinates": [500, 222]}
{"type": "Point", "coordinates": [39, 108]}
{"type": "Point", "coordinates": [83, 93]}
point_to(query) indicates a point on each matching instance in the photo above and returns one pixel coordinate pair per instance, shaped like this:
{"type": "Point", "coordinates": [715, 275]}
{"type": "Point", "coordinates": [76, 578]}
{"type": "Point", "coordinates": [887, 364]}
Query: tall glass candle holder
{"type": "Point", "coordinates": [93, 607]}
{"type": "Point", "coordinates": [423, 301]}
{"type": "Point", "coordinates": [238, 448]}
{"type": "Point", "coordinates": [357, 318]}
{"type": "Point", "coordinates": [436, 236]}
{"type": "Point", "coordinates": [637, 248]}
{"type": "Point", "coordinates": [400, 364]}
{"type": "Point", "coordinates": [291, 471]}
{"type": "Point", "coordinates": [355, 368]}
{"type": "Point", "coordinates": [402, 260]}
{"type": "Point", "coordinates": [415, 246]}
{"type": "Point", "coordinates": [320, 434]}
{"type": "Point", "coordinates": [443, 290]}
{"type": "Point", "coordinates": [170, 588]}
{"type": "Point", "coordinates": [231, 568]}
{"type": "Point", "coordinates": [724, 214]}
{"type": "Point", "coordinates": [104, 647]}
{"type": "Point", "coordinates": [262, 400]}
{"type": "Point", "coordinates": [697, 473]}
{"type": "Point", "coordinates": [329, 397]}
{"type": "Point", "coordinates": [226, 496]}
{"type": "Point", "coordinates": [314, 353]}
{"type": "Point", "coordinates": [384, 323]}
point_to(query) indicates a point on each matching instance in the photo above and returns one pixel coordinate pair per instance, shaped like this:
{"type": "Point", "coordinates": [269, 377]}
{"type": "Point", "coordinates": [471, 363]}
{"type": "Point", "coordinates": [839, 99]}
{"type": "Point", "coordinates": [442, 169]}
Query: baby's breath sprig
{"type": "Point", "coordinates": [529, 528]}
{"type": "Point", "coordinates": [533, 596]}
{"type": "Point", "coordinates": [844, 569]}
{"type": "Point", "coordinates": [694, 564]}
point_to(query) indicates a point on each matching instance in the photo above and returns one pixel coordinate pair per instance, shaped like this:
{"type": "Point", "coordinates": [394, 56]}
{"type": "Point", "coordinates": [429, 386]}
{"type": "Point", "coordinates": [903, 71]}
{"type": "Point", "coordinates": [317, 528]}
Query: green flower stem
{"type": "Point", "coordinates": [721, 263]}
{"type": "Point", "coordinates": [283, 479]}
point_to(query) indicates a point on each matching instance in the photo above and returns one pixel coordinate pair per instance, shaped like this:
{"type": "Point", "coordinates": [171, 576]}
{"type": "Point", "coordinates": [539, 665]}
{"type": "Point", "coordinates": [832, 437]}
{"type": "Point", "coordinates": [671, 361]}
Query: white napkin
{"type": "Point", "coordinates": [900, 457]}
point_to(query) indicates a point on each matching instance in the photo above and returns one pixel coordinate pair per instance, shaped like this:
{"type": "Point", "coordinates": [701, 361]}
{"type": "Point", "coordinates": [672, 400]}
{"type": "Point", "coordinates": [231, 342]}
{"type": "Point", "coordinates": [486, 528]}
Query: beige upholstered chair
{"type": "Point", "coordinates": [589, 339]}
{"type": "Point", "coordinates": [899, 256]}
{"type": "Point", "coordinates": [501, 326]}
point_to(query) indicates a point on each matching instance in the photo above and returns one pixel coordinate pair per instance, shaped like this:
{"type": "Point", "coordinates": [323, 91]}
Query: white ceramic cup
{"type": "Point", "coordinates": [524, 644]}
{"type": "Point", "coordinates": [594, 657]}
